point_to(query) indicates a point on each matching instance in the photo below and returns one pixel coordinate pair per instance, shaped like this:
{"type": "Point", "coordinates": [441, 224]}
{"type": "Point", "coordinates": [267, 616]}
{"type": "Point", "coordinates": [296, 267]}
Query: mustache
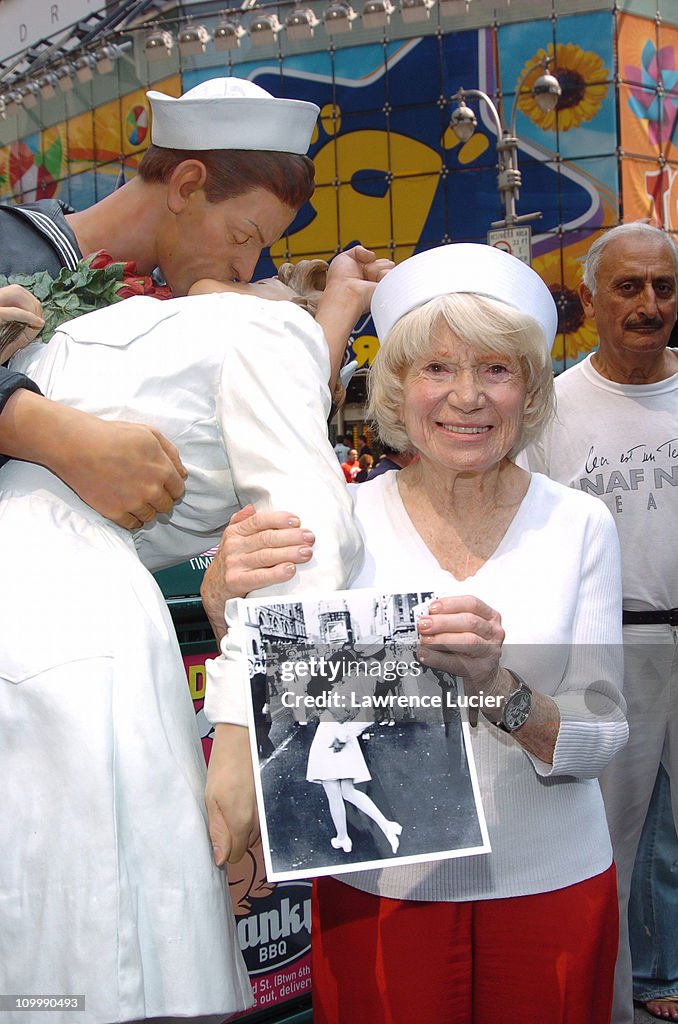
{"type": "Point", "coordinates": [649, 323]}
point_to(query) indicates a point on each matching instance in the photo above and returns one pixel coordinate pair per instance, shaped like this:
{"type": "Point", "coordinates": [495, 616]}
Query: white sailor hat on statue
{"type": "Point", "coordinates": [231, 113]}
{"type": "Point", "coordinates": [463, 267]}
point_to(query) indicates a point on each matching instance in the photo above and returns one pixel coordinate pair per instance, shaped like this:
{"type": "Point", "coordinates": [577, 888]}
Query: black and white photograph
{"type": "Point", "coordinates": [362, 755]}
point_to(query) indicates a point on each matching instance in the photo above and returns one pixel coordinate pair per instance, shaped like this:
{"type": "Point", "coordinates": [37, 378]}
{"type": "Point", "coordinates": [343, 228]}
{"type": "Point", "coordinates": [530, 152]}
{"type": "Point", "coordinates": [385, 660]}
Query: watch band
{"type": "Point", "coordinates": [519, 681]}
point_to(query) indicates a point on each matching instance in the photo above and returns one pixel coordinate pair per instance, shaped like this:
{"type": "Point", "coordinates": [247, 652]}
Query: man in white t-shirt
{"type": "Point", "coordinates": [615, 435]}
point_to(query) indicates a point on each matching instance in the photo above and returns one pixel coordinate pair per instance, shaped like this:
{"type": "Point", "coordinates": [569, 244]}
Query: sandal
{"type": "Point", "coordinates": [665, 1008]}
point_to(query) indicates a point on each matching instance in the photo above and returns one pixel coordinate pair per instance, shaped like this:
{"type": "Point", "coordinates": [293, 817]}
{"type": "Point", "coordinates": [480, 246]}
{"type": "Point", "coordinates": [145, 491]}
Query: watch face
{"type": "Point", "coordinates": [518, 709]}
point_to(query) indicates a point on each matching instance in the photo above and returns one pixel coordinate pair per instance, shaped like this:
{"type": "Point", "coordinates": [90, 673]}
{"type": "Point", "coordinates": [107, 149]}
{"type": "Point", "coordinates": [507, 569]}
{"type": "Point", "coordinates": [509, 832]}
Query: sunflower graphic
{"type": "Point", "coordinates": [576, 335]}
{"type": "Point", "coordinates": [583, 79]}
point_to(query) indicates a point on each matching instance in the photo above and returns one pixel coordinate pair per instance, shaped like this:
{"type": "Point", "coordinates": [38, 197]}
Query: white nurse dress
{"type": "Point", "coordinates": [107, 886]}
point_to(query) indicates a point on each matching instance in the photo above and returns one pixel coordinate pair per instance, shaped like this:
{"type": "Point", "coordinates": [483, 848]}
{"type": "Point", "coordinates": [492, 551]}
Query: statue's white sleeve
{"type": "Point", "coordinates": [273, 406]}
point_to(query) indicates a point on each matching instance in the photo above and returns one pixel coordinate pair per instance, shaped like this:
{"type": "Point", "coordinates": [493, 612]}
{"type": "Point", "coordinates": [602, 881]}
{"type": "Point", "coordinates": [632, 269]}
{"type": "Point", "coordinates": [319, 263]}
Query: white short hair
{"type": "Point", "coordinates": [638, 227]}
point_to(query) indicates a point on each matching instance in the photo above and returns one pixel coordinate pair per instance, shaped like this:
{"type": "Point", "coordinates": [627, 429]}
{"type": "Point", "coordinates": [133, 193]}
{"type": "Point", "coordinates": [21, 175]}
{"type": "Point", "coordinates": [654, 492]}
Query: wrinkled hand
{"type": "Point", "coordinates": [128, 472]}
{"type": "Point", "coordinates": [463, 636]}
{"type": "Point", "coordinates": [257, 549]}
{"type": "Point", "coordinates": [18, 307]}
{"type": "Point", "coordinates": [356, 273]}
{"type": "Point", "coordinates": [230, 796]}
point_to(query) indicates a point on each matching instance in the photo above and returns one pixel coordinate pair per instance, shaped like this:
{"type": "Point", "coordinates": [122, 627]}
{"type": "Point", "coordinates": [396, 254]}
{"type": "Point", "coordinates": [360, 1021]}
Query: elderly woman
{"type": "Point", "coordinates": [530, 613]}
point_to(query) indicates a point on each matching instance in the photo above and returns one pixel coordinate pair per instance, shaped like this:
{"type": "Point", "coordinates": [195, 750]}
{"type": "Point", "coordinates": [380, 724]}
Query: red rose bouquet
{"type": "Point", "coordinates": [97, 281]}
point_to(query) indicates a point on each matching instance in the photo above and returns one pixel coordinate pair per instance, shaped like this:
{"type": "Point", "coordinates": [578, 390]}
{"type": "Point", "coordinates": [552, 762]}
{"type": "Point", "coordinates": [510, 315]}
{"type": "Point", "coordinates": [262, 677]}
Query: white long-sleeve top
{"type": "Point", "coordinates": [555, 580]}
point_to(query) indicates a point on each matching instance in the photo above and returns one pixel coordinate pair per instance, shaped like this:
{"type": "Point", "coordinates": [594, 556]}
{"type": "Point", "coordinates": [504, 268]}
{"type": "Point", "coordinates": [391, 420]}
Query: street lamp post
{"type": "Point", "coordinates": [546, 92]}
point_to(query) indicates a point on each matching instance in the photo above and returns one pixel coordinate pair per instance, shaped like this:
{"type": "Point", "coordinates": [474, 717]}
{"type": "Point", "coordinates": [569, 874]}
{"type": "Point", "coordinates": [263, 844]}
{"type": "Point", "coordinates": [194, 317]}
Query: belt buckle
{"type": "Point", "coordinates": [673, 617]}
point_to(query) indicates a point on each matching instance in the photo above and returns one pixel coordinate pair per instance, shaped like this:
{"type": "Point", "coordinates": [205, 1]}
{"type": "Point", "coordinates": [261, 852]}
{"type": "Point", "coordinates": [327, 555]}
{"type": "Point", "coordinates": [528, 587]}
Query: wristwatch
{"type": "Point", "coordinates": [517, 706]}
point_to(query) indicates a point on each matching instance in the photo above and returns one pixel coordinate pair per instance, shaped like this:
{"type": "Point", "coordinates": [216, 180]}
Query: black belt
{"type": "Point", "coordinates": [669, 617]}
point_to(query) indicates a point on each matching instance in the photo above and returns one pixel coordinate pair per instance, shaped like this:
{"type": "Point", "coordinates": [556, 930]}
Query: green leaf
{"type": "Point", "coordinates": [113, 272]}
{"type": "Point", "coordinates": [71, 292]}
{"type": "Point", "coordinates": [81, 277]}
{"type": "Point", "coordinates": [64, 276]}
{"type": "Point", "coordinates": [27, 280]}
{"type": "Point", "coordinates": [42, 289]}
{"type": "Point", "coordinates": [97, 288]}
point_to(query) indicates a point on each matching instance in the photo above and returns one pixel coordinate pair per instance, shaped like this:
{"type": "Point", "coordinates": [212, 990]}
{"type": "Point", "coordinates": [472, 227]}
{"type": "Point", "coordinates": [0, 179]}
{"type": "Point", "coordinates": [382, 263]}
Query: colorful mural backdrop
{"type": "Point", "coordinates": [648, 115]}
{"type": "Point", "coordinates": [82, 158]}
{"type": "Point", "coordinates": [390, 172]}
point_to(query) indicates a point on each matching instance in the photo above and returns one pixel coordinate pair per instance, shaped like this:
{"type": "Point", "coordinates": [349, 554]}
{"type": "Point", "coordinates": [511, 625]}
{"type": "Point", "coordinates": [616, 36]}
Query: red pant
{"type": "Point", "coordinates": [544, 959]}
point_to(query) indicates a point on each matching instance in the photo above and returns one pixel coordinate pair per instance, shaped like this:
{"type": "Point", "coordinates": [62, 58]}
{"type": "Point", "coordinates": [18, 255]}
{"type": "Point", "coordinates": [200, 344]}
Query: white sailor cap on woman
{"type": "Point", "coordinates": [231, 113]}
{"type": "Point", "coordinates": [463, 267]}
